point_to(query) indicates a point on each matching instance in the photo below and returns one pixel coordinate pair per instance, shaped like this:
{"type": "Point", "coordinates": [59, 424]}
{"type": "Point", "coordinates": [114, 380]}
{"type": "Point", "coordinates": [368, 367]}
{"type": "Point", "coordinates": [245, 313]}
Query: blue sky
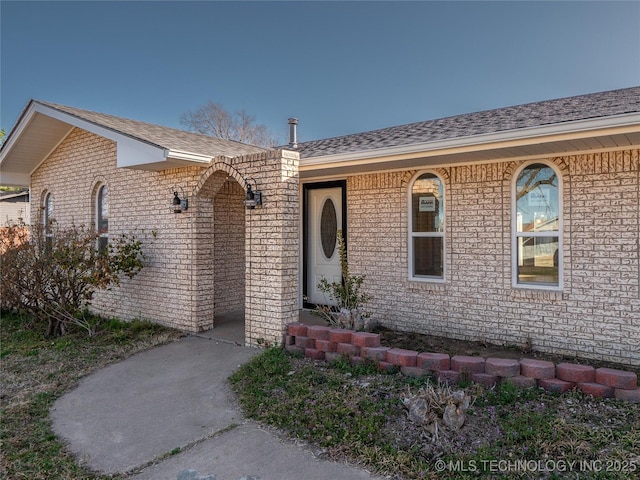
{"type": "Point", "coordinates": [340, 67]}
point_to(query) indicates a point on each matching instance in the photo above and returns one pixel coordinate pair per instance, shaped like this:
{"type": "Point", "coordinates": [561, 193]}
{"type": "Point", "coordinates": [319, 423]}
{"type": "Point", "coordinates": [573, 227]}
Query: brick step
{"type": "Point", "coordinates": [402, 357]}
{"type": "Point", "coordinates": [466, 364]}
{"type": "Point", "coordinates": [339, 335]}
{"type": "Point", "coordinates": [571, 372]}
{"type": "Point", "coordinates": [364, 339]}
{"type": "Point", "coordinates": [502, 367]}
{"type": "Point", "coordinates": [326, 346]}
{"type": "Point", "coordinates": [318, 332]}
{"type": "Point", "coordinates": [450, 377]}
{"type": "Point", "coordinates": [617, 378]}
{"type": "Point", "coordinates": [347, 349]}
{"type": "Point", "coordinates": [596, 389]}
{"type": "Point", "coordinates": [314, 353]}
{"type": "Point", "coordinates": [305, 342]}
{"type": "Point", "coordinates": [433, 361]}
{"type": "Point", "coordinates": [297, 329]}
{"type": "Point", "coordinates": [374, 353]}
{"type": "Point", "coordinates": [555, 385]}
{"type": "Point", "coordinates": [632, 396]}
{"type": "Point", "coordinates": [538, 369]}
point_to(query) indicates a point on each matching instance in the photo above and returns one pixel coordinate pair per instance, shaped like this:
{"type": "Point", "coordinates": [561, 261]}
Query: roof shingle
{"type": "Point", "coordinates": [583, 107]}
{"type": "Point", "coordinates": [165, 137]}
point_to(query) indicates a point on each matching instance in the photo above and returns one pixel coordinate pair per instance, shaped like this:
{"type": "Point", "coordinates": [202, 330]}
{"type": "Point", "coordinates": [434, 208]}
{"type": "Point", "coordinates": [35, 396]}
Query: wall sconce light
{"type": "Point", "coordinates": [179, 204]}
{"type": "Point", "coordinates": [252, 199]}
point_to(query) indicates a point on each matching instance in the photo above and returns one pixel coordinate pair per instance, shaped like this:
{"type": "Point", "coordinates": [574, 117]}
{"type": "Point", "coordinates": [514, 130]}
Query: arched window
{"type": "Point", "coordinates": [426, 228]}
{"type": "Point", "coordinates": [47, 217]}
{"type": "Point", "coordinates": [102, 217]}
{"type": "Point", "coordinates": [537, 226]}
{"type": "Point", "coordinates": [47, 212]}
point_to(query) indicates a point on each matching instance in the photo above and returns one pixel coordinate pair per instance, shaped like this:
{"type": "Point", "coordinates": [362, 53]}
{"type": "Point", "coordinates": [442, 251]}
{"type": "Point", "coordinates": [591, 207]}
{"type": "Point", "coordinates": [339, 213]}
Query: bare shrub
{"type": "Point", "coordinates": [53, 275]}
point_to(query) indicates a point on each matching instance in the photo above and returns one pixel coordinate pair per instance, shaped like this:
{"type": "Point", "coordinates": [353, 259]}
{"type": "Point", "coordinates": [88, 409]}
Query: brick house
{"type": "Point", "coordinates": [516, 225]}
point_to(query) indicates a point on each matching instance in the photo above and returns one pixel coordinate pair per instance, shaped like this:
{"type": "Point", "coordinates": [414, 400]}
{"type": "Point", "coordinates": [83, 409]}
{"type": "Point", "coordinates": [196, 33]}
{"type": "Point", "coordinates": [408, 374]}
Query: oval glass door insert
{"type": "Point", "coordinates": [328, 228]}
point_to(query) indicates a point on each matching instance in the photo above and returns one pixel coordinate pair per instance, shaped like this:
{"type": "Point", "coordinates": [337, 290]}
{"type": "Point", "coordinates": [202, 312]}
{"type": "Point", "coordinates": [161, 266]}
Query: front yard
{"type": "Point", "coordinates": [342, 412]}
{"type": "Point", "coordinates": [356, 414]}
{"type": "Point", "coordinates": [36, 371]}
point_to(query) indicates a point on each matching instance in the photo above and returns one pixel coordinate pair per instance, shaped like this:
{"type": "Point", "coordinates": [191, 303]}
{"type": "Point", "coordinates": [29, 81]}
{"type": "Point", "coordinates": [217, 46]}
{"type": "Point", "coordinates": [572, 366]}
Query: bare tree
{"type": "Point", "coordinates": [214, 120]}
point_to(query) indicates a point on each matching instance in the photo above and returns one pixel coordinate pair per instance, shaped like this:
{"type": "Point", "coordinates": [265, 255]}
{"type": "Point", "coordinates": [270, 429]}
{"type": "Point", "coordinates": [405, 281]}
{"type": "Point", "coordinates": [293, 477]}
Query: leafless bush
{"type": "Point", "coordinates": [53, 275]}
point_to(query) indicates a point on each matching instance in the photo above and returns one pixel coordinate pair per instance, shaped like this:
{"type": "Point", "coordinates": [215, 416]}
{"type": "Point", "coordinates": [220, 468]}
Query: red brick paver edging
{"type": "Point", "coordinates": [325, 343]}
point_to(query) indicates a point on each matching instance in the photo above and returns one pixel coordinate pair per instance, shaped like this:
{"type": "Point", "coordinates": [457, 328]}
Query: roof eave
{"type": "Point", "coordinates": [618, 124]}
{"type": "Point", "coordinates": [132, 152]}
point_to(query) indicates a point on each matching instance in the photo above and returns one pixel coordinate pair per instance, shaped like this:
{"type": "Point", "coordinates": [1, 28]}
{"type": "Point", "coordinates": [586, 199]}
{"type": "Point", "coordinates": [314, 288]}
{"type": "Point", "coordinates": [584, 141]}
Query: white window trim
{"type": "Point", "coordinates": [411, 235]}
{"type": "Point", "coordinates": [515, 236]}
{"type": "Point", "coordinates": [97, 208]}
{"type": "Point", "coordinates": [47, 199]}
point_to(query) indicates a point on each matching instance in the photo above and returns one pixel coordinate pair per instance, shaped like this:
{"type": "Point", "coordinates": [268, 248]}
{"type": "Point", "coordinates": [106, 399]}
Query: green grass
{"type": "Point", "coordinates": [324, 407]}
{"type": "Point", "coordinates": [355, 413]}
{"type": "Point", "coordinates": [350, 412]}
{"type": "Point", "coordinates": [36, 371]}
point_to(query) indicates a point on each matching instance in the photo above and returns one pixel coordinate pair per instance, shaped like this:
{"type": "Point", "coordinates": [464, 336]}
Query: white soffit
{"type": "Point", "coordinates": [42, 128]}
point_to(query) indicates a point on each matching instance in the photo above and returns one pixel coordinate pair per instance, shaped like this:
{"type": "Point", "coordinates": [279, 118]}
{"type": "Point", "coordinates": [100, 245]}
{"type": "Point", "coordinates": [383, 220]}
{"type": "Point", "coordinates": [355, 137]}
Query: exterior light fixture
{"type": "Point", "coordinates": [252, 199]}
{"type": "Point", "coordinates": [179, 205]}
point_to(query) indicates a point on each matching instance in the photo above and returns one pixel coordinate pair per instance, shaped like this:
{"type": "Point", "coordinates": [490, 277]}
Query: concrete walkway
{"type": "Point", "coordinates": [130, 417]}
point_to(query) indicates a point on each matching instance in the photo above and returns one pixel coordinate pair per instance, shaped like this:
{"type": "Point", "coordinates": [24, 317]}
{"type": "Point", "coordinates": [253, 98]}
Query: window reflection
{"type": "Point", "coordinates": [537, 225]}
{"type": "Point", "coordinates": [427, 227]}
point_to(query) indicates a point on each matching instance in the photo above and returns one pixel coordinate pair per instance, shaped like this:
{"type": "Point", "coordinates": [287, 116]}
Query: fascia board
{"type": "Point", "coordinates": [511, 138]}
{"type": "Point", "coordinates": [189, 156]}
{"type": "Point", "coordinates": [23, 121]}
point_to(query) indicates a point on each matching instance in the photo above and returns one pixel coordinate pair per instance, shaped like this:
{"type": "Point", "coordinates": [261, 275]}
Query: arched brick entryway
{"type": "Point", "coordinates": [271, 243]}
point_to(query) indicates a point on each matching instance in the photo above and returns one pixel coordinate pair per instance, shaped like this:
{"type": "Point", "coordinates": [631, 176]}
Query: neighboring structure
{"type": "Point", "coordinates": [14, 207]}
{"type": "Point", "coordinates": [515, 226]}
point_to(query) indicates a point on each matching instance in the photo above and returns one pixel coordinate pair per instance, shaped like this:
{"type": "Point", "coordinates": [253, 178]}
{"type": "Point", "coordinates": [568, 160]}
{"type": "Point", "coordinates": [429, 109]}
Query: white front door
{"type": "Point", "coordinates": [324, 211]}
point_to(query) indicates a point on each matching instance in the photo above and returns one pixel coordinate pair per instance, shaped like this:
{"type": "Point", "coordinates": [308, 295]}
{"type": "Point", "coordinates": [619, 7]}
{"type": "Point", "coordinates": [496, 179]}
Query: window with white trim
{"type": "Point", "coordinates": [47, 215]}
{"type": "Point", "coordinates": [102, 217]}
{"type": "Point", "coordinates": [426, 228]}
{"type": "Point", "coordinates": [47, 212]}
{"type": "Point", "coordinates": [537, 226]}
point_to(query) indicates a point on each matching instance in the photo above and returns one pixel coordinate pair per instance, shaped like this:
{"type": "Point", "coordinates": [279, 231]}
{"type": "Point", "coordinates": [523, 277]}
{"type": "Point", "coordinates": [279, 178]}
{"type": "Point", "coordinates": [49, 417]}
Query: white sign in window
{"type": "Point", "coordinates": [539, 197]}
{"type": "Point", "coordinates": [427, 204]}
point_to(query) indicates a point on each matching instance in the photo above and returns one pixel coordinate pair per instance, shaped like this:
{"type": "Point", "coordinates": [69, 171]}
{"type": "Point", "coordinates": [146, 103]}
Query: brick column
{"type": "Point", "coordinates": [272, 246]}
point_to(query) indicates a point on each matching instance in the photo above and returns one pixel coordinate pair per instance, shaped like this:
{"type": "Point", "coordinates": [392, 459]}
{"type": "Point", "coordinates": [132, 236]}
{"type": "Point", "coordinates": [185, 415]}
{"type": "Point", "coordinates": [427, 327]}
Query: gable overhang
{"type": "Point", "coordinates": [584, 136]}
{"type": "Point", "coordinates": [41, 128]}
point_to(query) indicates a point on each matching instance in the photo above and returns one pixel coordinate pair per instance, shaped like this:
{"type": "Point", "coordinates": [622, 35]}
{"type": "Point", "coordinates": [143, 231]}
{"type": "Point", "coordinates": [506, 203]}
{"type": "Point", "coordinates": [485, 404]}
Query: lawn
{"type": "Point", "coordinates": [35, 371]}
{"type": "Point", "coordinates": [343, 412]}
{"type": "Point", "coordinates": [357, 414]}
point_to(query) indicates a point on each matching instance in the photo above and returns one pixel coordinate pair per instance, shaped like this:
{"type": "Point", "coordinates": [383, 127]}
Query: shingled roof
{"type": "Point", "coordinates": [551, 112]}
{"type": "Point", "coordinates": [166, 137]}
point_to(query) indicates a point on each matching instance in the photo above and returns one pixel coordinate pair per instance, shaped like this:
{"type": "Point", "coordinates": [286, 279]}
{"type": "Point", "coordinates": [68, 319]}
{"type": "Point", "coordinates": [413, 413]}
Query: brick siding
{"type": "Point", "coordinates": [196, 261]}
{"type": "Point", "coordinates": [195, 266]}
{"type": "Point", "coordinates": [140, 203]}
{"type": "Point", "coordinates": [595, 315]}
{"type": "Point", "coordinates": [229, 247]}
